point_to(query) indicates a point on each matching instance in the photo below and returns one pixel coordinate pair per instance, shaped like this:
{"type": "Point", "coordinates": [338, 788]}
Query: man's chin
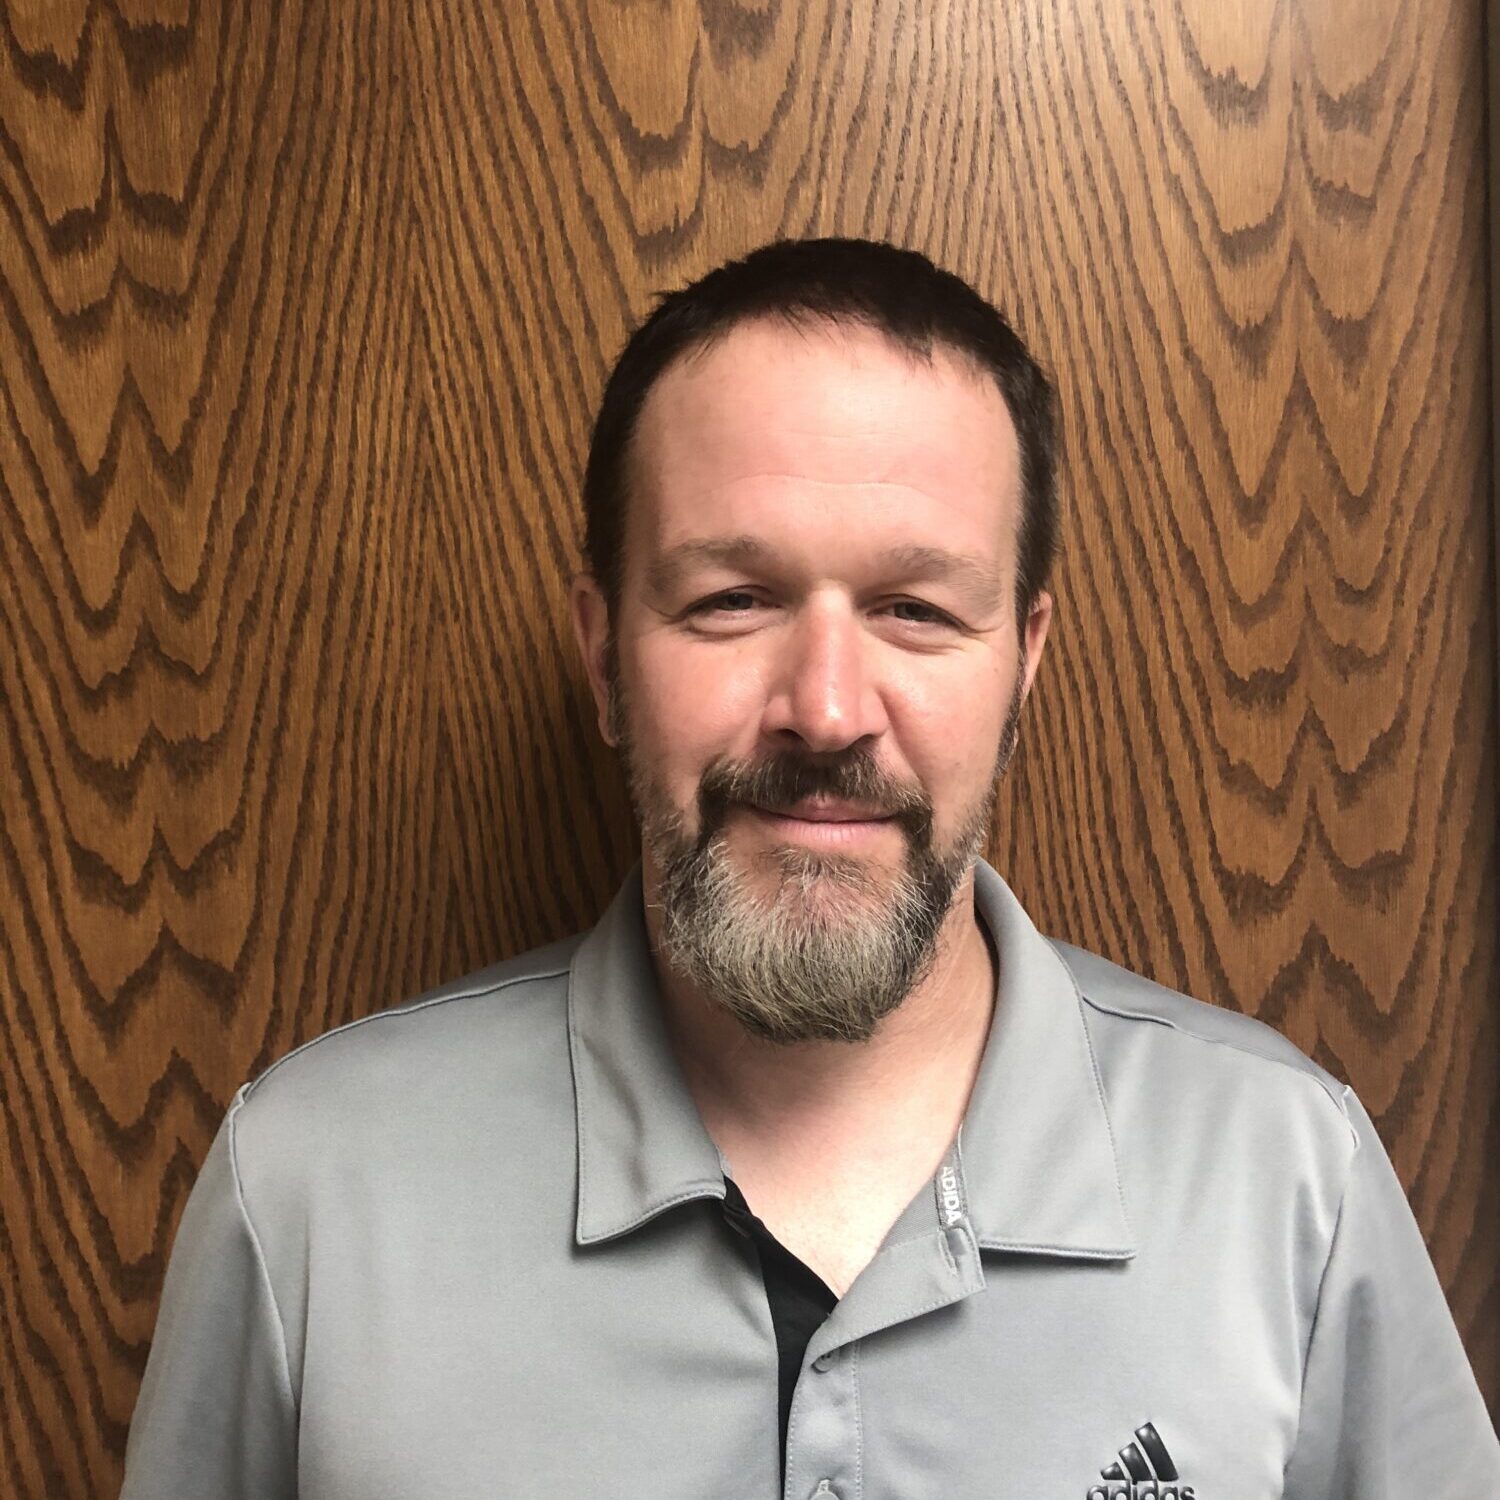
{"type": "Point", "coordinates": [833, 889]}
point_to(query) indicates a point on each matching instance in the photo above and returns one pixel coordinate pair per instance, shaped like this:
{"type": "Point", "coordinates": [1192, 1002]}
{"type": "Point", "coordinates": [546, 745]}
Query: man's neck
{"type": "Point", "coordinates": [792, 1105]}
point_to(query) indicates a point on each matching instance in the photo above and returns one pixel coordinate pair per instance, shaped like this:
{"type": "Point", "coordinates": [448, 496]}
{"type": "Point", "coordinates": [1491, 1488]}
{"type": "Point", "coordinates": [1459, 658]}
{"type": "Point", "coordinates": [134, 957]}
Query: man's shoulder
{"type": "Point", "coordinates": [493, 1021]}
{"type": "Point", "coordinates": [1193, 1042]}
{"type": "Point", "coordinates": [425, 1096]}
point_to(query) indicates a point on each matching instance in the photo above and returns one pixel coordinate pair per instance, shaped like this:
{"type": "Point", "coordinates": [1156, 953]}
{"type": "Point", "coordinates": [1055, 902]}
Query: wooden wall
{"type": "Point", "coordinates": [303, 311]}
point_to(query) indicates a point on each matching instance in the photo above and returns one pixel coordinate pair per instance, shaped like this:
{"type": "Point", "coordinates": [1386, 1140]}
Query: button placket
{"type": "Point", "coordinates": [823, 1443]}
{"type": "Point", "coordinates": [930, 1260]}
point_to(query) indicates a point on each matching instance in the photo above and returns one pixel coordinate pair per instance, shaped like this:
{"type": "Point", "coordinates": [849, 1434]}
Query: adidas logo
{"type": "Point", "coordinates": [1144, 1471]}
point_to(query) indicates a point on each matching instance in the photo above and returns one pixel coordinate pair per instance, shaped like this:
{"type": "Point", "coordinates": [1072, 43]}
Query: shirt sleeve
{"type": "Point", "coordinates": [1390, 1406]}
{"type": "Point", "coordinates": [215, 1419]}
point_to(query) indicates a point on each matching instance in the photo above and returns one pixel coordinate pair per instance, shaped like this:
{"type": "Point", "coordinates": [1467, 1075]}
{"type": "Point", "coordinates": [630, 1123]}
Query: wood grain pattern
{"type": "Point", "coordinates": [304, 308]}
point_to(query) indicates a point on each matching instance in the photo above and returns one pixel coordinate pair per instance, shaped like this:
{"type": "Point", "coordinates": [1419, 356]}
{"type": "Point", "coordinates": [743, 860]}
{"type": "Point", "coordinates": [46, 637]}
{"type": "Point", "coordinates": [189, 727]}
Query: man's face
{"type": "Point", "coordinates": [817, 617]}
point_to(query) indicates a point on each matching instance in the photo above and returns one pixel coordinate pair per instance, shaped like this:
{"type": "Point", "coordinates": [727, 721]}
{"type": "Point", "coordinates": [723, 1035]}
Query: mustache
{"type": "Point", "coordinates": [785, 779]}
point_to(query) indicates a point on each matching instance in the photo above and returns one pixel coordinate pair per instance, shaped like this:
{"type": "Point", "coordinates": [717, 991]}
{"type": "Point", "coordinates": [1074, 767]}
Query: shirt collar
{"type": "Point", "coordinates": [1036, 1150]}
{"type": "Point", "coordinates": [642, 1145]}
{"type": "Point", "coordinates": [1036, 1143]}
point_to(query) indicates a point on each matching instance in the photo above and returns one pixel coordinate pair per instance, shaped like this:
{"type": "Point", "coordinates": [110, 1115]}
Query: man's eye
{"type": "Point", "coordinates": [934, 616]}
{"type": "Point", "coordinates": [715, 604]}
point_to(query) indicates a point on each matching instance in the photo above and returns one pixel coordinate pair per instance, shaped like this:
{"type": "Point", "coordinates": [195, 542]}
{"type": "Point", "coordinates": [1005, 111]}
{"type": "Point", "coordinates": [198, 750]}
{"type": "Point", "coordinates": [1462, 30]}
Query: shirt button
{"type": "Point", "coordinates": [823, 1362]}
{"type": "Point", "coordinates": [826, 1488]}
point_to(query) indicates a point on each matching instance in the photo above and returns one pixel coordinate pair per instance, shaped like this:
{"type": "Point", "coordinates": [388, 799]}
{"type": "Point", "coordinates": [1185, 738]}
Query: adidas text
{"type": "Point", "coordinates": [1141, 1489]}
{"type": "Point", "coordinates": [953, 1204]}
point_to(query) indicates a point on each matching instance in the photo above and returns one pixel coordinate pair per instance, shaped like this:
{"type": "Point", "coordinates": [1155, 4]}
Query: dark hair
{"type": "Point", "coordinates": [899, 293]}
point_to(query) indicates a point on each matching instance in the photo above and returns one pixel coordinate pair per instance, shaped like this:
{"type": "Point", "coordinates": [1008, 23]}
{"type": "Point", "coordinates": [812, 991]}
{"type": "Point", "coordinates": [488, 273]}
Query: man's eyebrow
{"type": "Point", "coordinates": [663, 573]}
{"type": "Point", "coordinates": [976, 579]}
{"type": "Point", "coordinates": [972, 576]}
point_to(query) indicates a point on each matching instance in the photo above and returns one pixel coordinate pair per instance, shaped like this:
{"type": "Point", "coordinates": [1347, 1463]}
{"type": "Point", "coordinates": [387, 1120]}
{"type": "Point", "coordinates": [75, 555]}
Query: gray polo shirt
{"type": "Point", "coordinates": [473, 1247]}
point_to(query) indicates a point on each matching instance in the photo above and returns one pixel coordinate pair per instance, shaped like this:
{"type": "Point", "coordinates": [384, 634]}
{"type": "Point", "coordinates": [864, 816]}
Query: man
{"type": "Point", "coordinates": [813, 1169]}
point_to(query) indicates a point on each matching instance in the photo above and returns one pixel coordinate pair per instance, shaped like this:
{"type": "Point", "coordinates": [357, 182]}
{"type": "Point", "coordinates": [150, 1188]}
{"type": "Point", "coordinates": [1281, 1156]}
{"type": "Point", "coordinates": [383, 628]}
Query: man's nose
{"type": "Point", "coordinates": [824, 684]}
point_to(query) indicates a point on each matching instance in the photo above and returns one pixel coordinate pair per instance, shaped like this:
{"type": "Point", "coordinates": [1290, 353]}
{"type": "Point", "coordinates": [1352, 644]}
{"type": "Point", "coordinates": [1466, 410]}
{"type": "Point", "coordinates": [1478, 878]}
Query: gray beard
{"type": "Point", "coordinates": [840, 943]}
{"type": "Point", "coordinates": [828, 957]}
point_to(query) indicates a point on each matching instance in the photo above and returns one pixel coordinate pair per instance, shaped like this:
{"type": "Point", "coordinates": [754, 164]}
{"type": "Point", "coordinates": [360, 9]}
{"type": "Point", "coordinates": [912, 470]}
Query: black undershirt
{"type": "Point", "coordinates": [800, 1299]}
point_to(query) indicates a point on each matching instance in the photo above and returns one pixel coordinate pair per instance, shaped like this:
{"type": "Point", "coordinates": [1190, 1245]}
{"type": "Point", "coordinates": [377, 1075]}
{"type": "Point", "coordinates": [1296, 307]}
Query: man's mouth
{"type": "Point", "coordinates": [823, 811]}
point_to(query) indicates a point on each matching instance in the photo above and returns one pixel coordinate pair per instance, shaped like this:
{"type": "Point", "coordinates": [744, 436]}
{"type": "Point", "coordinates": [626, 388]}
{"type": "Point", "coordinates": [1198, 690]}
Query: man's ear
{"type": "Point", "coordinates": [1038, 621]}
{"type": "Point", "coordinates": [591, 628]}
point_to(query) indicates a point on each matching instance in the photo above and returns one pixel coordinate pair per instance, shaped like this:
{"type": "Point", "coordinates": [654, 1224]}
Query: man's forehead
{"type": "Point", "coordinates": [764, 366]}
{"type": "Point", "coordinates": [827, 410]}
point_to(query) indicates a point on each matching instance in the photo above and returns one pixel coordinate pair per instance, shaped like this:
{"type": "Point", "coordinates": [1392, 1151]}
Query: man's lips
{"type": "Point", "coordinates": [827, 813]}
